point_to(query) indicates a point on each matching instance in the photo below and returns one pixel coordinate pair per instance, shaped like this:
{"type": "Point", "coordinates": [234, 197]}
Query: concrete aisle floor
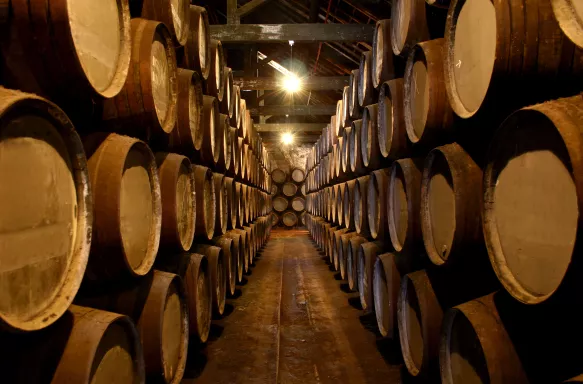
{"type": "Point", "coordinates": [293, 322]}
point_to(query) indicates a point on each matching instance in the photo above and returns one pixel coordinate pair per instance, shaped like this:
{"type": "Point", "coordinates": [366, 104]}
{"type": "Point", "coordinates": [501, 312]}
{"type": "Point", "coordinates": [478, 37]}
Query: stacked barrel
{"type": "Point", "coordinates": [288, 197]}
{"type": "Point", "coordinates": [448, 203]}
{"type": "Point", "coordinates": [134, 189]}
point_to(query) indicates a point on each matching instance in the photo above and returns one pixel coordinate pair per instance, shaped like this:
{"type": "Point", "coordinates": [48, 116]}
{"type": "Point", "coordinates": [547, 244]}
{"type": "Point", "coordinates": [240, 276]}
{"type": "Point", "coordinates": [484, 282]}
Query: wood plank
{"type": "Point", "coordinates": [294, 110]}
{"type": "Point", "coordinates": [232, 15]}
{"type": "Point", "coordinates": [250, 7]}
{"type": "Point", "coordinates": [312, 83]}
{"type": "Point", "coordinates": [300, 33]}
{"type": "Point", "coordinates": [291, 127]}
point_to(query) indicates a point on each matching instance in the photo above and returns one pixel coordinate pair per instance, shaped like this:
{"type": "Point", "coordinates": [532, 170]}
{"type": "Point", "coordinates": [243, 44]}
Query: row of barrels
{"type": "Point", "coordinates": [451, 324]}
{"type": "Point", "coordinates": [288, 197]}
{"type": "Point", "coordinates": [415, 98]}
{"type": "Point", "coordinates": [119, 72]}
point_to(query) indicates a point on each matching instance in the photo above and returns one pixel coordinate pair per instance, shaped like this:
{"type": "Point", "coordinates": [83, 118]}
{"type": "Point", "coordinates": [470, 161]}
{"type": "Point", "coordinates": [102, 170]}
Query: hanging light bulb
{"type": "Point", "coordinates": [287, 138]}
{"type": "Point", "coordinates": [292, 84]}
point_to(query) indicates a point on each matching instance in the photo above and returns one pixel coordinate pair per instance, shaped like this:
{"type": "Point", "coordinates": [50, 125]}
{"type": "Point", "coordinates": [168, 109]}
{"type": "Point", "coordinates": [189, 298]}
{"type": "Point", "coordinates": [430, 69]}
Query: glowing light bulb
{"type": "Point", "coordinates": [292, 83]}
{"type": "Point", "coordinates": [287, 138]}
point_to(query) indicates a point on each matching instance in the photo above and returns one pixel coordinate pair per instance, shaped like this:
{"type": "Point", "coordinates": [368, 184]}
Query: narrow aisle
{"type": "Point", "coordinates": [293, 324]}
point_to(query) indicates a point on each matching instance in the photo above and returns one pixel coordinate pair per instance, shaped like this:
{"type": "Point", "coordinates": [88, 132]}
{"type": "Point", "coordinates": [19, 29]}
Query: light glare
{"type": "Point", "coordinates": [287, 138]}
{"type": "Point", "coordinates": [292, 84]}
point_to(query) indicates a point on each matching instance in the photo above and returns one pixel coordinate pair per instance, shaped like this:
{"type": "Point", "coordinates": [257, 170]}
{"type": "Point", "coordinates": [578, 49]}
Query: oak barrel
{"type": "Point", "coordinates": [204, 187]}
{"type": "Point", "coordinates": [369, 145]}
{"type": "Point", "coordinates": [289, 219]}
{"type": "Point", "coordinates": [383, 68]}
{"type": "Point", "coordinates": [365, 86]}
{"type": "Point", "coordinates": [215, 84]}
{"type": "Point", "coordinates": [218, 266]}
{"type": "Point", "coordinates": [392, 131]}
{"type": "Point", "coordinates": [360, 207]}
{"type": "Point", "coordinates": [175, 14]}
{"type": "Point", "coordinates": [354, 109]}
{"type": "Point", "coordinates": [231, 258]}
{"type": "Point", "coordinates": [376, 203]}
{"type": "Point", "coordinates": [366, 259]}
{"type": "Point", "coordinates": [210, 150]}
{"type": "Point", "coordinates": [197, 50]}
{"type": "Point", "coordinates": [186, 138]}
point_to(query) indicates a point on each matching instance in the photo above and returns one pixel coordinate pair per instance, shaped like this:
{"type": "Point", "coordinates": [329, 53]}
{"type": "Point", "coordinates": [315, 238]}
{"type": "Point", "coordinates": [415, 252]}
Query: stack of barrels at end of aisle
{"type": "Point", "coordinates": [456, 230]}
{"type": "Point", "coordinates": [127, 190]}
{"type": "Point", "coordinates": [288, 197]}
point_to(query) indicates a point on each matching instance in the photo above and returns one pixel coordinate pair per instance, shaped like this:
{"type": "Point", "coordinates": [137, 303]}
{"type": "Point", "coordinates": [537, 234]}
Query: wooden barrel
{"type": "Point", "coordinates": [338, 148]}
{"type": "Point", "coordinates": [298, 175]}
{"type": "Point", "coordinates": [386, 288]}
{"type": "Point", "coordinates": [289, 189]}
{"type": "Point", "coordinates": [569, 15]}
{"type": "Point", "coordinates": [289, 219]}
{"type": "Point", "coordinates": [366, 259]}
{"type": "Point", "coordinates": [369, 145]}
{"type": "Point", "coordinates": [232, 204]}
{"type": "Point", "coordinates": [339, 204]}
{"type": "Point", "coordinates": [146, 107]}
{"type": "Point", "coordinates": [352, 261]}
{"type": "Point", "coordinates": [227, 104]}
{"type": "Point", "coordinates": [328, 240]}
{"type": "Point", "coordinates": [215, 84]}
{"type": "Point", "coordinates": [218, 266]}
{"type": "Point", "coordinates": [451, 198]}
{"type": "Point", "coordinates": [221, 204]}
{"type": "Point", "coordinates": [243, 112]}
{"type": "Point", "coordinates": [197, 51]}
{"type": "Point", "coordinates": [239, 201]}
{"type": "Point", "coordinates": [342, 249]}
{"type": "Point", "coordinates": [348, 204]}
{"type": "Point", "coordinates": [128, 211]}
{"type": "Point", "coordinates": [234, 165]}
{"type": "Point", "coordinates": [221, 137]}
{"type": "Point", "coordinates": [246, 247]}
{"type": "Point", "coordinates": [274, 219]}
{"type": "Point", "coordinates": [47, 211]}
{"type": "Point", "coordinates": [193, 269]}
{"type": "Point", "coordinates": [428, 115]}
{"type": "Point", "coordinates": [360, 206]}
{"type": "Point", "coordinates": [229, 140]}
{"type": "Point", "coordinates": [239, 253]}
{"type": "Point", "coordinates": [335, 247]}
{"type": "Point", "coordinates": [178, 201]}
{"type": "Point", "coordinates": [251, 243]}
{"type": "Point", "coordinates": [175, 14]}
{"type": "Point", "coordinates": [532, 245]}
{"type": "Point", "coordinates": [158, 305]}
{"type": "Point", "coordinates": [577, 379]}
{"type": "Point", "coordinates": [403, 208]}
{"type": "Point", "coordinates": [204, 187]}
{"type": "Point", "coordinates": [278, 176]}
{"type": "Point", "coordinates": [345, 154]}
{"type": "Point", "coordinates": [377, 203]}
{"type": "Point", "coordinates": [236, 117]}
{"type": "Point", "coordinates": [504, 67]}
{"type": "Point", "coordinates": [227, 244]}
{"type": "Point", "coordinates": [71, 349]}
{"type": "Point", "coordinates": [354, 109]}
{"type": "Point", "coordinates": [392, 131]}
{"type": "Point", "coordinates": [280, 204]}
{"type": "Point", "coordinates": [383, 68]}
{"type": "Point", "coordinates": [298, 204]}
{"type": "Point", "coordinates": [409, 25]}
{"type": "Point", "coordinates": [475, 346]}
{"type": "Point", "coordinates": [345, 116]}
{"type": "Point", "coordinates": [355, 153]}
{"type": "Point", "coordinates": [187, 137]}
{"type": "Point", "coordinates": [210, 152]}
{"type": "Point", "coordinates": [365, 86]}
{"type": "Point", "coordinates": [64, 59]}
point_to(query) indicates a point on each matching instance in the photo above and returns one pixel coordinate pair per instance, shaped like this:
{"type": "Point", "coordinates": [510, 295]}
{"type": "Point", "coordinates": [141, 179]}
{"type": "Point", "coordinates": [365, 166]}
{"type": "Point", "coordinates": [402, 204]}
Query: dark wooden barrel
{"type": "Point", "coordinates": [336, 203]}
{"type": "Point", "coordinates": [386, 287]}
{"type": "Point", "coordinates": [236, 117]}
{"type": "Point", "coordinates": [348, 204]}
{"type": "Point", "coordinates": [47, 211]}
{"type": "Point", "coordinates": [158, 305]}
{"type": "Point", "coordinates": [377, 203]}
{"type": "Point", "coordinates": [232, 203]}
{"type": "Point", "coordinates": [355, 153]}
{"type": "Point", "coordinates": [409, 25]}
{"type": "Point", "coordinates": [428, 115]}
{"type": "Point", "coordinates": [289, 219]}
{"type": "Point", "coordinates": [383, 68]}
{"type": "Point", "coordinates": [64, 58]}
{"type": "Point", "coordinates": [512, 60]}
{"type": "Point", "coordinates": [369, 145]}
{"type": "Point", "coordinates": [354, 109]}
{"type": "Point", "coordinates": [298, 204]}
{"type": "Point", "coordinates": [335, 247]}
{"type": "Point", "coordinates": [231, 259]}
{"type": "Point", "coordinates": [328, 241]}
{"type": "Point", "coordinates": [361, 206]}
{"type": "Point", "coordinates": [246, 247]}
{"type": "Point", "coordinates": [175, 14]}
{"type": "Point", "coordinates": [243, 112]}
{"type": "Point", "coordinates": [239, 201]}
{"type": "Point", "coordinates": [128, 211]}
{"type": "Point", "coordinates": [569, 15]}
{"type": "Point", "coordinates": [289, 189]}
{"type": "Point", "coordinates": [239, 253]}
{"type": "Point", "coordinates": [218, 266]}
{"type": "Point", "coordinates": [343, 252]}
{"type": "Point", "coordinates": [392, 131]}
{"type": "Point", "coordinates": [215, 84]}
{"type": "Point", "coordinates": [221, 137]}
{"type": "Point", "coordinates": [193, 269]}
{"type": "Point", "coordinates": [345, 154]}
{"type": "Point", "coordinates": [475, 346]}
{"type": "Point", "coordinates": [229, 139]}
{"type": "Point", "coordinates": [187, 137]}
{"type": "Point", "coordinates": [146, 107]}
{"type": "Point", "coordinates": [234, 167]}
{"type": "Point", "coordinates": [531, 200]}
{"type": "Point", "coordinates": [210, 151]}
{"type": "Point", "coordinates": [197, 50]}
{"type": "Point", "coordinates": [345, 113]}
{"type": "Point", "coordinates": [365, 86]}
{"type": "Point", "coordinates": [251, 243]}
{"type": "Point", "coordinates": [403, 208]}
{"type": "Point", "coordinates": [229, 94]}
{"type": "Point", "coordinates": [204, 187]}
{"type": "Point", "coordinates": [451, 197]}
{"type": "Point", "coordinates": [278, 176]}
{"type": "Point", "coordinates": [86, 345]}
{"type": "Point", "coordinates": [352, 261]}
{"type": "Point", "coordinates": [178, 201]}
{"type": "Point", "coordinates": [221, 204]}
{"type": "Point", "coordinates": [298, 175]}
{"type": "Point", "coordinates": [366, 259]}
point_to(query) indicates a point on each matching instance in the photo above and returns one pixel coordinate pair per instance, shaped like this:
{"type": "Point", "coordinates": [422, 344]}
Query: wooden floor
{"type": "Point", "coordinates": [293, 322]}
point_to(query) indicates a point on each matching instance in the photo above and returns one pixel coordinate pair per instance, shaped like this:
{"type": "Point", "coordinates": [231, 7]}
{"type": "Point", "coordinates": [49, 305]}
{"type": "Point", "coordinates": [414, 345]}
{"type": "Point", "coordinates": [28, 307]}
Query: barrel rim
{"type": "Point", "coordinates": [566, 16]}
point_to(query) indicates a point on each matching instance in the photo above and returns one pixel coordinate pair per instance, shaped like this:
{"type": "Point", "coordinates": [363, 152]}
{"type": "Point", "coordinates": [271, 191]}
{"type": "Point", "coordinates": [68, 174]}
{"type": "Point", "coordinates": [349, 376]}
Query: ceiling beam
{"type": "Point", "coordinates": [294, 110]}
{"type": "Point", "coordinates": [246, 9]}
{"type": "Point", "coordinates": [292, 127]}
{"type": "Point", "coordinates": [312, 83]}
{"type": "Point", "coordinates": [300, 33]}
